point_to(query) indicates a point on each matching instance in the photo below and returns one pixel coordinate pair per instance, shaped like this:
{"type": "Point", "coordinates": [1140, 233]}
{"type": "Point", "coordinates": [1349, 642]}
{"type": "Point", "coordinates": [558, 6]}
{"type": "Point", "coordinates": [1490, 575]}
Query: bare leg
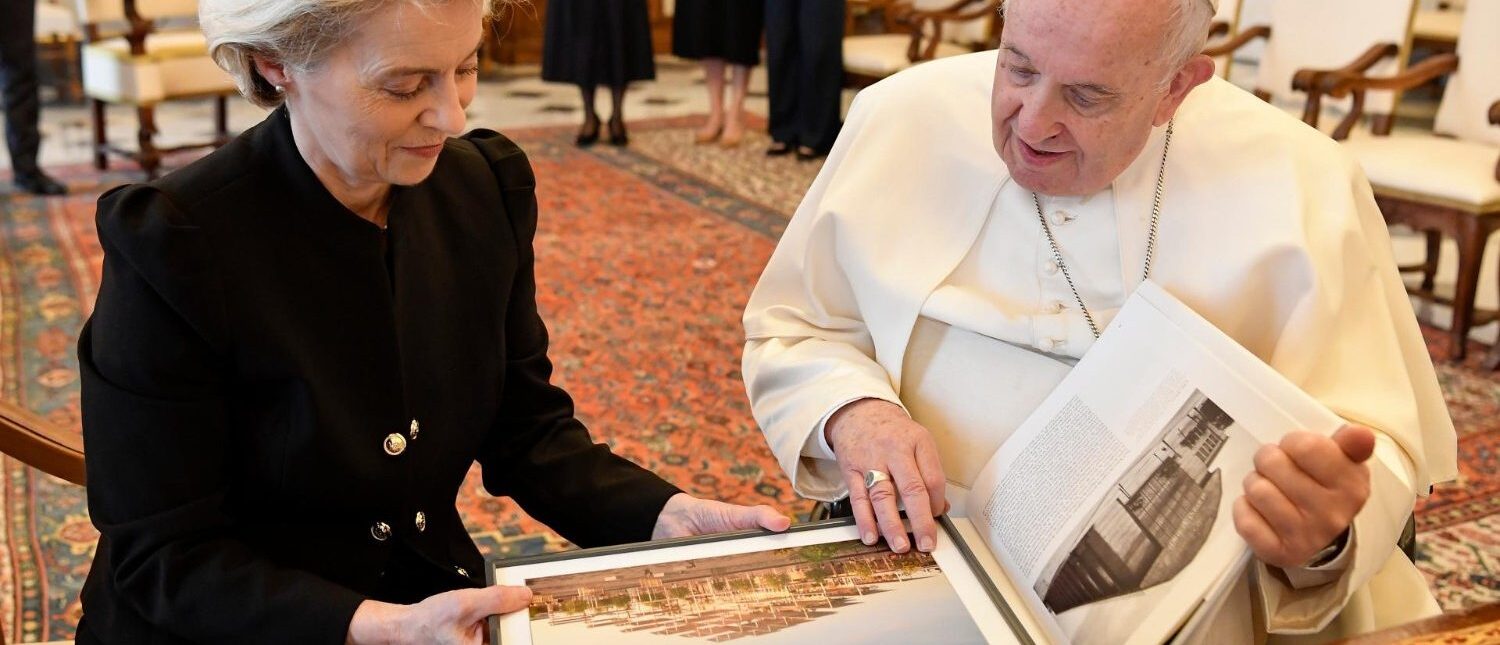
{"type": "Point", "coordinates": [713, 78]}
{"type": "Point", "coordinates": [734, 124]}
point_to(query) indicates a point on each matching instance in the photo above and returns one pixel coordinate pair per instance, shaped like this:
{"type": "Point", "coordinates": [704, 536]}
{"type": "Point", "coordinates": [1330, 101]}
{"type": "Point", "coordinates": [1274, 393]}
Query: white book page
{"type": "Point", "coordinates": [1112, 503]}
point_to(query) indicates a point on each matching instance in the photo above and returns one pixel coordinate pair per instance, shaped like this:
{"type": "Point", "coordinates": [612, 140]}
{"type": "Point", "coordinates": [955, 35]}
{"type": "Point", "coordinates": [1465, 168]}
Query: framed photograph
{"type": "Point", "coordinates": [815, 583]}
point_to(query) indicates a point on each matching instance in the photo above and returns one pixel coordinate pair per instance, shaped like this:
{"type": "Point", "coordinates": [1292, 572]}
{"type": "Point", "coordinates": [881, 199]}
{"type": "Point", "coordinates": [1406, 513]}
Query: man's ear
{"type": "Point", "coordinates": [1196, 71]}
{"type": "Point", "coordinates": [274, 72]}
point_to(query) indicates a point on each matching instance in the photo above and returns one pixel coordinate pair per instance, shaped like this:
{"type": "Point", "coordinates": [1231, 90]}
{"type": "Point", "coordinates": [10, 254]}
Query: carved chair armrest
{"type": "Point", "coordinates": [956, 12]}
{"type": "Point", "coordinates": [1339, 84]}
{"type": "Point", "coordinates": [1306, 79]}
{"type": "Point", "coordinates": [1310, 80]}
{"type": "Point", "coordinates": [1239, 40]}
{"type": "Point", "coordinates": [1218, 28]}
{"type": "Point", "coordinates": [918, 50]}
{"type": "Point", "coordinates": [40, 443]}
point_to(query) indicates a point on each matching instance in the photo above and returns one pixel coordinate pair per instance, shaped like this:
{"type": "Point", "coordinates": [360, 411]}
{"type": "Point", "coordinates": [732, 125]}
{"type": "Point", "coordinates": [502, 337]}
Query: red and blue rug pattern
{"type": "Point", "coordinates": [646, 256]}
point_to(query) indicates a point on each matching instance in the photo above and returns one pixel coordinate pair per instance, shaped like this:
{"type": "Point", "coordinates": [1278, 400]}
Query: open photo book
{"type": "Point", "coordinates": [1109, 509]}
{"type": "Point", "coordinates": [1104, 518]}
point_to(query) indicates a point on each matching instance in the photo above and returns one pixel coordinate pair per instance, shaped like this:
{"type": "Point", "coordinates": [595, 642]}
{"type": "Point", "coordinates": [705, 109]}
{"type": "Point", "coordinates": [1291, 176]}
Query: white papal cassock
{"type": "Point", "coordinates": [916, 271]}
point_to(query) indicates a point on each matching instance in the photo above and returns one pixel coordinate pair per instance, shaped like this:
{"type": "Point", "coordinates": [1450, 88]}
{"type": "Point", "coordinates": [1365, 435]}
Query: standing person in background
{"type": "Point", "coordinates": [23, 105]}
{"type": "Point", "coordinates": [721, 33]}
{"type": "Point", "coordinates": [805, 63]}
{"type": "Point", "coordinates": [589, 43]}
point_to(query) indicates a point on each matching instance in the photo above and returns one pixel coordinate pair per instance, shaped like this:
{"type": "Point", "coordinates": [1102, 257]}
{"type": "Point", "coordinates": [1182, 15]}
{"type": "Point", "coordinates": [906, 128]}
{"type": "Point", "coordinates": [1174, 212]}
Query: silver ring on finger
{"type": "Point", "coordinates": [873, 477]}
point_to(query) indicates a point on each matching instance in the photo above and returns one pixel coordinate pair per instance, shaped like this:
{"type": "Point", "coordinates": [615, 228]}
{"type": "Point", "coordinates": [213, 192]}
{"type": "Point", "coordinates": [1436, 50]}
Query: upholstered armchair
{"type": "Point", "coordinates": [141, 53]}
{"type": "Point", "coordinates": [1307, 39]}
{"type": "Point", "coordinates": [919, 31]}
{"type": "Point", "coordinates": [1445, 182]}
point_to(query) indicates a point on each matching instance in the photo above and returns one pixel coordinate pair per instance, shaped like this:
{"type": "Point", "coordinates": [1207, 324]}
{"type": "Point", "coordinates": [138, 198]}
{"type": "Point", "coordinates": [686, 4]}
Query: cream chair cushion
{"type": "Point", "coordinates": [55, 22]}
{"type": "Point", "coordinates": [881, 55]}
{"type": "Point", "coordinates": [176, 64]}
{"type": "Point", "coordinates": [1460, 173]}
{"type": "Point", "coordinates": [114, 10]}
{"type": "Point", "coordinates": [1436, 24]}
{"type": "Point", "coordinates": [1464, 112]}
{"type": "Point", "coordinates": [1325, 34]}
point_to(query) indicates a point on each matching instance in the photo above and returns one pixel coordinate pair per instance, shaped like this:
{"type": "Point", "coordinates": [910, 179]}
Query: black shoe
{"type": "Point", "coordinates": [779, 149]}
{"type": "Point", "coordinates": [589, 133]}
{"type": "Point", "coordinates": [617, 136]}
{"type": "Point", "coordinates": [38, 183]}
{"type": "Point", "coordinates": [806, 153]}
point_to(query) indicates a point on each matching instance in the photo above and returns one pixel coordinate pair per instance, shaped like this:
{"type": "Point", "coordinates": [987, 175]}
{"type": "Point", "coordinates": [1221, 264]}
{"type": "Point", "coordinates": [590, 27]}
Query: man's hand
{"type": "Point", "coordinates": [685, 515]}
{"type": "Point", "coordinates": [871, 434]}
{"type": "Point", "coordinates": [452, 618]}
{"type": "Point", "coordinates": [1303, 493]}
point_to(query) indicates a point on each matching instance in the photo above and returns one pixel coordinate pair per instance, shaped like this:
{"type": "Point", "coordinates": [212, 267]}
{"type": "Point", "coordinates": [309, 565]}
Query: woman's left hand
{"type": "Point", "coordinates": [686, 515]}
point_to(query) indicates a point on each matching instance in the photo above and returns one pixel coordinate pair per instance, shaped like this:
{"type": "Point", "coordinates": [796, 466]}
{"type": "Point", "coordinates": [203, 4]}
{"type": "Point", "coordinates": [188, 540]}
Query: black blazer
{"type": "Point", "coordinates": [269, 400]}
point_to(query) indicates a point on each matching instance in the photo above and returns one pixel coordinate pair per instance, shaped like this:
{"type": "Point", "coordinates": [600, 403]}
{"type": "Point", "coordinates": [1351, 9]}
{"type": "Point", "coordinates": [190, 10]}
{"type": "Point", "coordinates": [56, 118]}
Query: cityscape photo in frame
{"type": "Point", "coordinates": [816, 583]}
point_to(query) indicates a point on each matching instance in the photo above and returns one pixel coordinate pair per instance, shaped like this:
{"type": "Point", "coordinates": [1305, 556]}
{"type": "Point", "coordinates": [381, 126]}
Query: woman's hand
{"type": "Point", "coordinates": [447, 618]}
{"type": "Point", "coordinates": [686, 515]}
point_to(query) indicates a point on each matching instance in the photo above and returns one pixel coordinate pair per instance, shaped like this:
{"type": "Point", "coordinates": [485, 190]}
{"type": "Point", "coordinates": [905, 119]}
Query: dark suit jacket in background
{"type": "Point", "coordinates": [249, 356]}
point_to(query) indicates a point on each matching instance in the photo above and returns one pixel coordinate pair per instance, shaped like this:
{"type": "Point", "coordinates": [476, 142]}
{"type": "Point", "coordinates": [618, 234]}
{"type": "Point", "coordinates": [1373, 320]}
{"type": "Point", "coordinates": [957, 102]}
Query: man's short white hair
{"type": "Point", "coordinates": [1186, 33]}
{"type": "Point", "coordinates": [294, 33]}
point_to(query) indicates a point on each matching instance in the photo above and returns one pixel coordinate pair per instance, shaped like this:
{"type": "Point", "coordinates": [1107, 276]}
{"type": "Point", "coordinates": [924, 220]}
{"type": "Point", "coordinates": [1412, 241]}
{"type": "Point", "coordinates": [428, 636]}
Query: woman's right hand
{"type": "Point", "coordinates": [448, 618]}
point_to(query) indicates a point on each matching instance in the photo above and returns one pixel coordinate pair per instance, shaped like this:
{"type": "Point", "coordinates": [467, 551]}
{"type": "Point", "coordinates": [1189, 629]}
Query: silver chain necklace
{"type": "Point", "coordinates": [1161, 178]}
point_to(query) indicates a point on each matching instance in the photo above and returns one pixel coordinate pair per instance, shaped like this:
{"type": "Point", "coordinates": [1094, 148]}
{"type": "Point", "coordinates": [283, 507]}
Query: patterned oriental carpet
{"type": "Point", "coordinates": [646, 256]}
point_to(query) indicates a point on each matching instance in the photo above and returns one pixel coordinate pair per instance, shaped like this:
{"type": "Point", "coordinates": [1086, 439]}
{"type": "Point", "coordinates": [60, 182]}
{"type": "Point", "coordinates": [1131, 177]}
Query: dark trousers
{"type": "Point", "coordinates": [805, 66]}
{"type": "Point", "coordinates": [18, 84]}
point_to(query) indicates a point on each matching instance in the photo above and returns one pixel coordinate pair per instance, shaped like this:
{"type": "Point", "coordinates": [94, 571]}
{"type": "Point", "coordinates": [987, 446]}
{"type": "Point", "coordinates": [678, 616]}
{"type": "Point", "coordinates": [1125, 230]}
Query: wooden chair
{"type": "Point", "coordinates": [1306, 39]}
{"type": "Point", "coordinates": [57, 39]}
{"type": "Point", "coordinates": [143, 52]}
{"type": "Point", "coordinates": [919, 31]}
{"type": "Point", "coordinates": [1225, 25]}
{"type": "Point", "coordinates": [1446, 182]}
{"type": "Point", "coordinates": [40, 444]}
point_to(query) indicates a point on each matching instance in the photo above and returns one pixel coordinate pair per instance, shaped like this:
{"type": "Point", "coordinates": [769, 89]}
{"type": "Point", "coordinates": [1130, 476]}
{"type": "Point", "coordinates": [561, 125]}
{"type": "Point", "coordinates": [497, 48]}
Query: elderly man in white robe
{"type": "Point", "coordinates": [983, 217]}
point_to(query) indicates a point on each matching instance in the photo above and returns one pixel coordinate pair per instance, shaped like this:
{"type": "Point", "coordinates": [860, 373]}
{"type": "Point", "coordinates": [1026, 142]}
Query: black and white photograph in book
{"type": "Point", "coordinates": [1156, 520]}
{"type": "Point", "coordinates": [842, 592]}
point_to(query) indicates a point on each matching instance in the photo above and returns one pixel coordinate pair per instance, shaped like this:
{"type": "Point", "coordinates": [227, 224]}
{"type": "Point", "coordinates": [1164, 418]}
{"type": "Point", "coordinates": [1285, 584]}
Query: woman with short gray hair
{"type": "Point", "coordinates": [303, 341]}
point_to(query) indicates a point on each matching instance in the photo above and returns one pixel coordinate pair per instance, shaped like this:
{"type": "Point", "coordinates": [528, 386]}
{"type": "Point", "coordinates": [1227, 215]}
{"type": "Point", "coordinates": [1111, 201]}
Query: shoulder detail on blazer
{"type": "Point", "coordinates": [509, 162]}
{"type": "Point", "coordinates": [143, 228]}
